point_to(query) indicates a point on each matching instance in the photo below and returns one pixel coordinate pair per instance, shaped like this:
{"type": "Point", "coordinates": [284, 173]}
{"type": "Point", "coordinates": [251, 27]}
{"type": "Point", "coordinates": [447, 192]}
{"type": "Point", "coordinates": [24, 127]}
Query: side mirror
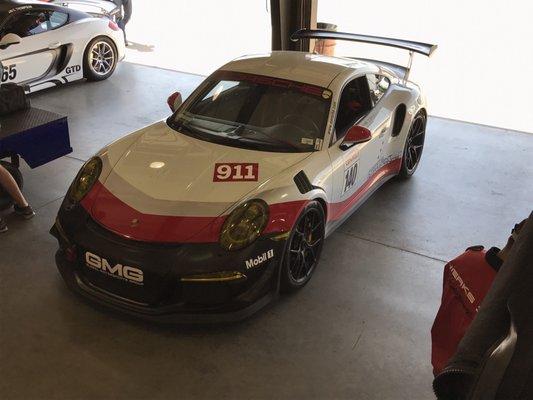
{"type": "Point", "coordinates": [9, 40]}
{"type": "Point", "coordinates": [174, 101]}
{"type": "Point", "coordinates": [355, 135]}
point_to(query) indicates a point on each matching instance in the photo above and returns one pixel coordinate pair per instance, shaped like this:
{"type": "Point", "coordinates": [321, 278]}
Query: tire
{"type": "Point", "coordinates": [100, 59]}
{"type": "Point", "coordinates": [414, 145]}
{"type": "Point", "coordinates": [5, 199]}
{"type": "Point", "coordinates": [303, 249]}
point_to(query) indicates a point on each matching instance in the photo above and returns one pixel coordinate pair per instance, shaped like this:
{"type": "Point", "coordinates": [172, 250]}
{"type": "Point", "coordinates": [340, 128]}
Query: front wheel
{"type": "Point", "coordinates": [413, 146]}
{"type": "Point", "coordinates": [303, 248]}
{"type": "Point", "coordinates": [100, 59]}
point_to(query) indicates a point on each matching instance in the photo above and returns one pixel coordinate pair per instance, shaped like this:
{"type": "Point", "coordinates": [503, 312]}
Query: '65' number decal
{"type": "Point", "coordinates": [9, 72]}
{"type": "Point", "coordinates": [235, 172]}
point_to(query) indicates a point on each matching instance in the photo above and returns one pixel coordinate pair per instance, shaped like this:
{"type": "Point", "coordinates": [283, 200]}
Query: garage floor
{"type": "Point", "coordinates": [359, 330]}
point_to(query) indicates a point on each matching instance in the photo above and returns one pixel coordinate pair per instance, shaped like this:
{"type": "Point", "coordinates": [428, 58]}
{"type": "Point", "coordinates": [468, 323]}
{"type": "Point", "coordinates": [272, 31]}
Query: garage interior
{"type": "Point", "coordinates": [361, 327]}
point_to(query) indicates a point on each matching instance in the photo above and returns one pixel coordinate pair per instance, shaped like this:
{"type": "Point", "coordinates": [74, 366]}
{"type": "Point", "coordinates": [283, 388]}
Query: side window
{"type": "Point", "coordinates": [378, 85]}
{"type": "Point", "coordinates": [58, 19]}
{"type": "Point", "coordinates": [34, 22]}
{"type": "Point", "coordinates": [354, 104]}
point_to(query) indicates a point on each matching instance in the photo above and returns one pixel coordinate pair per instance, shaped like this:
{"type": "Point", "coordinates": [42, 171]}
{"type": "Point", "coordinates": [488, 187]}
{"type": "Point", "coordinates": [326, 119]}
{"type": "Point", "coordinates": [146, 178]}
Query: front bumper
{"type": "Point", "coordinates": [166, 294]}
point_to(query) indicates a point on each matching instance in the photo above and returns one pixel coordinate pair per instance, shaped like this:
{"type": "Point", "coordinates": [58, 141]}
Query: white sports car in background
{"type": "Point", "coordinates": [44, 45]}
{"type": "Point", "coordinates": [209, 214]}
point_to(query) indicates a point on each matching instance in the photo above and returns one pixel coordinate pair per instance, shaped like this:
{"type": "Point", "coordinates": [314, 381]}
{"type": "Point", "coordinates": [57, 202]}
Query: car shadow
{"type": "Point", "coordinates": [143, 48]}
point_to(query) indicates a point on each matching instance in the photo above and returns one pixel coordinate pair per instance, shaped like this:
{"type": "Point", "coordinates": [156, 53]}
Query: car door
{"type": "Point", "coordinates": [35, 56]}
{"type": "Point", "coordinates": [379, 119]}
{"type": "Point", "coordinates": [352, 166]}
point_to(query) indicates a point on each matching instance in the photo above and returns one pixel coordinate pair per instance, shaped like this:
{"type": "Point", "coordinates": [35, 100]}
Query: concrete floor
{"type": "Point", "coordinates": [359, 330]}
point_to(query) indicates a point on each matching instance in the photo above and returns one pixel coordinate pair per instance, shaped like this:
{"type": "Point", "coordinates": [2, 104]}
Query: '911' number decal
{"type": "Point", "coordinates": [9, 72]}
{"type": "Point", "coordinates": [235, 172]}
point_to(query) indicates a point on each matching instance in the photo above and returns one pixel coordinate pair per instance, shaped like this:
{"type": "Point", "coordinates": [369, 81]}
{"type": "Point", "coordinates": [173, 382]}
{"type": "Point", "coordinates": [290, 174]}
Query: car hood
{"type": "Point", "coordinates": [164, 189]}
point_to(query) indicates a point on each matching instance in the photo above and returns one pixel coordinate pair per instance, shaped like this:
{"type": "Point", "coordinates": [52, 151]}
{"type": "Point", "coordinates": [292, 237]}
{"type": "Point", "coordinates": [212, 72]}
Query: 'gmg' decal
{"type": "Point", "coordinates": [118, 271]}
{"type": "Point", "coordinates": [235, 172]}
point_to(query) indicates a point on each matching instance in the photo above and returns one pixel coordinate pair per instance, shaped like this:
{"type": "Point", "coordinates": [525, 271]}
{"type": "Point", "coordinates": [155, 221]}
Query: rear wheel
{"type": "Point", "coordinates": [100, 59]}
{"type": "Point", "coordinates": [303, 249]}
{"type": "Point", "coordinates": [413, 146]}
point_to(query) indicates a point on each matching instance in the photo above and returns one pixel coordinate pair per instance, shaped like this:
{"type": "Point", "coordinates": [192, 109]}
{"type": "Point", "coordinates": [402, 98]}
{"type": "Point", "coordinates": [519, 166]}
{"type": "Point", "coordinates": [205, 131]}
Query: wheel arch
{"type": "Point", "coordinates": [324, 206]}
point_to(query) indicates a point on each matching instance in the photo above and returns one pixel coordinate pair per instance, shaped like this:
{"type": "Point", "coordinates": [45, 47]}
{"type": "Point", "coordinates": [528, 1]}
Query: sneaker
{"type": "Point", "coordinates": [3, 225]}
{"type": "Point", "coordinates": [25, 212]}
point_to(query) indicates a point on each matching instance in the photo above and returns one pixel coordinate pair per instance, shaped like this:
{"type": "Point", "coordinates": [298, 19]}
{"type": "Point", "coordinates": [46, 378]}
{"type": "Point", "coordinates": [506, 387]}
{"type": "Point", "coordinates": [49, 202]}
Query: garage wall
{"type": "Point", "coordinates": [482, 70]}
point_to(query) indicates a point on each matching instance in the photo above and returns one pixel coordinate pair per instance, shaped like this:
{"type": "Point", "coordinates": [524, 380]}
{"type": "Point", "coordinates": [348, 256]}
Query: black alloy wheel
{"type": "Point", "coordinates": [413, 146]}
{"type": "Point", "coordinates": [304, 248]}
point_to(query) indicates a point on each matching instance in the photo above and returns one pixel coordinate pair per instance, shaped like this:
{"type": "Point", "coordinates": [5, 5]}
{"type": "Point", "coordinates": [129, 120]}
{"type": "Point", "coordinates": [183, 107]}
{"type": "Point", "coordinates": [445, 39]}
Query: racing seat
{"type": "Point", "coordinates": [494, 360]}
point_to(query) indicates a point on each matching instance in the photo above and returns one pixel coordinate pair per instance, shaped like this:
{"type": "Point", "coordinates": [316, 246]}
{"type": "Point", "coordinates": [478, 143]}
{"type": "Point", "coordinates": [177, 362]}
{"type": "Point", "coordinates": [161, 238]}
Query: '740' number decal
{"type": "Point", "coordinates": [9, 72]}
{"type": "Point", "coordinates": [236, 172]}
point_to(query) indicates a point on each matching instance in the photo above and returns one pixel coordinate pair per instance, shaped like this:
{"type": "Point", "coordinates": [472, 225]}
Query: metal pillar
{"type": "Point", "coordinates": [287, 17]}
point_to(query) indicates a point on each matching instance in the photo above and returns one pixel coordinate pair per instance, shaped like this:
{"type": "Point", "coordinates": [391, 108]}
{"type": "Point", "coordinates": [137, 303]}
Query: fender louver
{"type": "Point", "coordinates": [302, 182]}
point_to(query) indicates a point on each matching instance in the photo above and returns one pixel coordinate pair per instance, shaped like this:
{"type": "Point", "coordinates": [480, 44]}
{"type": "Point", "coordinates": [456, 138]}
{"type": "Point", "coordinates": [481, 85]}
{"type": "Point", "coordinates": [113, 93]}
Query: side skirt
{"type": "Point", "coordinates": [331, 226]}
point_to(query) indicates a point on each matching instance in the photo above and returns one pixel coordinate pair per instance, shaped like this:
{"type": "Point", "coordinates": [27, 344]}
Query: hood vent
{"type": "Point", "coordinates": [302, 182]}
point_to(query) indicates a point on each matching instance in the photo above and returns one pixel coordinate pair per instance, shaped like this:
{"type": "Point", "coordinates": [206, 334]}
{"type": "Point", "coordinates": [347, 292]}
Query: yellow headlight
{"type": "Point", "coordinates": [244, 225]}
{"type": "Point", "coordinates": [85, 179]}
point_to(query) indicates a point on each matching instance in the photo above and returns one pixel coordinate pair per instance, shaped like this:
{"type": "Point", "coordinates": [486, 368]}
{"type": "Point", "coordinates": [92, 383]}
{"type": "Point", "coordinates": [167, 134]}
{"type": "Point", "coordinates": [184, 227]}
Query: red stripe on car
{"type": "Point", "coordinates": [125, 221]}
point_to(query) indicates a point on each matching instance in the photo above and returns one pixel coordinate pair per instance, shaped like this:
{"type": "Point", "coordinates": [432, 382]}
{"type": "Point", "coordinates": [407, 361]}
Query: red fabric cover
{"type": "Point", "coordinates": [466, 281]}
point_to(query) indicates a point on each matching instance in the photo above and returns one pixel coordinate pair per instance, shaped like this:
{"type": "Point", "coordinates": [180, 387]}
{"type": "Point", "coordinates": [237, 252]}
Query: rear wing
{"type": "Point", "coordinates": [413, 47]}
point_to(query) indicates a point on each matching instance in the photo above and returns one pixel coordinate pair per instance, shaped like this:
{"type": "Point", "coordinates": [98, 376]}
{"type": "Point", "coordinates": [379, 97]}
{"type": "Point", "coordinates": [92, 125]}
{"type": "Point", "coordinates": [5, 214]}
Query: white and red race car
{"type": "Point", "coordinates": [44, 45]}
{"type": "Point", "coordinates": [209, 214]}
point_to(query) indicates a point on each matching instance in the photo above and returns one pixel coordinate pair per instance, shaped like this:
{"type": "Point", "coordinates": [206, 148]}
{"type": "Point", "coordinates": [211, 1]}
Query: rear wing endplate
{"type": "Point", "coordinates": [413, 47]}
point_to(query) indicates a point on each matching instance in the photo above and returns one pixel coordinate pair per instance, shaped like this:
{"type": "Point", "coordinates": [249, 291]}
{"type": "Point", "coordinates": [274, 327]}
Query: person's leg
{"type": "Point", "coordinates": [3, 225]}
{"type": "Point", "coordinates": [21, 205]}
{"type": "Point", "coordinates": [9, 184]}
{"type": "Point", "coordinates": [122, 26]}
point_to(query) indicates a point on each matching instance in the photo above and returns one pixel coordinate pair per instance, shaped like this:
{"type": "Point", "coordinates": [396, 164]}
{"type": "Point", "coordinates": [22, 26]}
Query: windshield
{"type": "Point", "coordinates": [256, 112]}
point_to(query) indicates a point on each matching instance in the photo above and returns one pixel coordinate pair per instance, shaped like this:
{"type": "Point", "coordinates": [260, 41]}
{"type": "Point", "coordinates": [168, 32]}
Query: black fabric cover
{"type": "Point", "coordinates": [12, 98]}
{"type": "Point", "coordinates": [517, 382]}
{"type": "Point", "coordinates": [511, 293]}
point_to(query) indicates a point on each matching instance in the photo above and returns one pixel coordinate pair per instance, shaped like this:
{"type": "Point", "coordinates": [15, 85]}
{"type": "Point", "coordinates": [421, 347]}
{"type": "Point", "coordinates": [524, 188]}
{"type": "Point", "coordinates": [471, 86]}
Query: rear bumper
{"type": "Point", "coordinates": [165, 294]}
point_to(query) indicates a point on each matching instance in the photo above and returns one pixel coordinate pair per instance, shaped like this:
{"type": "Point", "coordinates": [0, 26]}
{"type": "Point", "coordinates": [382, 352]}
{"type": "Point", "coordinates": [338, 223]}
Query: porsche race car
{"type": "Point", "coordinates": [208, 215]}
{"type": "Point", "coordinates": [45, 45]}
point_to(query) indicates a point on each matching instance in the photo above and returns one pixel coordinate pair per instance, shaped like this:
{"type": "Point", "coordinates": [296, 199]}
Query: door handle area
{"type": "Point", "coordinates": [55, 45]}
{"type": "Point", "coordinates": [385, 128]}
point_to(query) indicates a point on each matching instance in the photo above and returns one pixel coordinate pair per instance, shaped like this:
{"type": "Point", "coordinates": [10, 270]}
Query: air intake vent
{"type": "Point", "coordinates": [399, 118]}
{"type": "Point", "coordinates": [302, 182]}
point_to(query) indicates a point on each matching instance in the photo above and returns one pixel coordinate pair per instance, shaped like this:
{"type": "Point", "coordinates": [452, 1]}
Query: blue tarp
{"type": "Point", "coordinates": [36, 135]}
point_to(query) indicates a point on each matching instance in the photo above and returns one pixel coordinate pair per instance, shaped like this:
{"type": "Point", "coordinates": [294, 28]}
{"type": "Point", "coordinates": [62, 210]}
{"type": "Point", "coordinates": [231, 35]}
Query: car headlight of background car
{"type": "Point", "coordinates": [244, 225]}
{"type": "Point", "coordinates": [84, 181]}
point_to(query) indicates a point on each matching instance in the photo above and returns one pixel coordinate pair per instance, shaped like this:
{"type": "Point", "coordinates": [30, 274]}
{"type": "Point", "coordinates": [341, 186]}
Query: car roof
{"type": "Point", "coordinates": [315, 69]}
{"type": "Point", "coordinates": [7, 6]}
